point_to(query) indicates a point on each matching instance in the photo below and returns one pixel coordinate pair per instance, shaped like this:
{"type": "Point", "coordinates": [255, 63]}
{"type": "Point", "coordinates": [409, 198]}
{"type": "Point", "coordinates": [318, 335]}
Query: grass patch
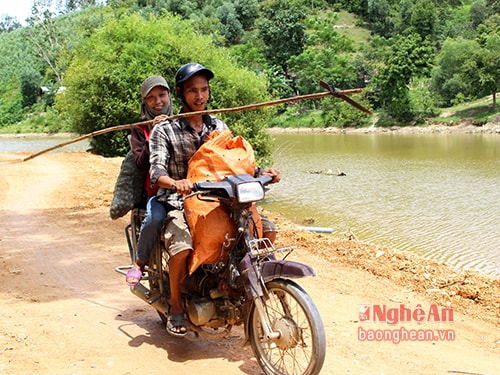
{"type": "Point", "coordinates": [480, 111]}
{"type": "Point", "coordinates": [346, 18]}
{"type": "Point", "coordinates": [348, 25]}
{"type": "Point", "coordinates": [49, 122]}
{"type": "Point", "coordinates": [310, 119]}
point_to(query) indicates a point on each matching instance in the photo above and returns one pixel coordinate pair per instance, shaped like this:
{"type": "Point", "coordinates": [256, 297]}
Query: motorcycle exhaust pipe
{"type": "Point", "coordinates": [145, 294]}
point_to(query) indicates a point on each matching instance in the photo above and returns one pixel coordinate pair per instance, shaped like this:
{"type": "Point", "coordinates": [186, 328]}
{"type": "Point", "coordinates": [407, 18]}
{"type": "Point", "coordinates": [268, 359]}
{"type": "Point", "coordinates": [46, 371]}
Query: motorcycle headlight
{"type": "Point", "coordinates": [249, 192]}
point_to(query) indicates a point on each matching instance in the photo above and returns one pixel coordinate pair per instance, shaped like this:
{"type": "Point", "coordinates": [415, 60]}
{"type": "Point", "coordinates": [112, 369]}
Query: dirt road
{"type": "Point", "coordinates": [66, 311]}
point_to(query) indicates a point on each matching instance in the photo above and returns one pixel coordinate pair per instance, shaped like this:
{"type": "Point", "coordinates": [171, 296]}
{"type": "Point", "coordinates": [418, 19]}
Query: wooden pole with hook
{"type": "Point", "coordinates": [340, 93]}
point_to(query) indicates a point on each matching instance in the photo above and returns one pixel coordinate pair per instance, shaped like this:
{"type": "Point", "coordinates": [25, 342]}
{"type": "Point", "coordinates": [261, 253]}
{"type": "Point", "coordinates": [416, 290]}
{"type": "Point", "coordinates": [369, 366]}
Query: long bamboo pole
{"type": "Point", "coordinates": [340, 93]}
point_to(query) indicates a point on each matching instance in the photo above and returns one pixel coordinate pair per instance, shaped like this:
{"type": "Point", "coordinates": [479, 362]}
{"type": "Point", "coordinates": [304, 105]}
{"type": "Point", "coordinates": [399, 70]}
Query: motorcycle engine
{"type": "Point", "coordinates": [200, 311]}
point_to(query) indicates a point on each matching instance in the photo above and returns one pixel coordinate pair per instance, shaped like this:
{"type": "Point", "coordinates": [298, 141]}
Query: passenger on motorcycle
{"type": "Point", "coordinates": [156, 105]}
{"type": "Point", "coordinates": [172, 144]}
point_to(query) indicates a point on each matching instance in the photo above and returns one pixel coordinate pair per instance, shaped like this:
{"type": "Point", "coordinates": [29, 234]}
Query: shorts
{"type": "Point", "coordinates": [177, 235]}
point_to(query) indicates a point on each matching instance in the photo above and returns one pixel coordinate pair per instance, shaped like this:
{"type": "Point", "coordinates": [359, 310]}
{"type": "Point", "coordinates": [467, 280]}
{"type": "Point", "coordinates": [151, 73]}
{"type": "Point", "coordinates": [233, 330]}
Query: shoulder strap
{"type": "Point", "coordinates": [147, 132]}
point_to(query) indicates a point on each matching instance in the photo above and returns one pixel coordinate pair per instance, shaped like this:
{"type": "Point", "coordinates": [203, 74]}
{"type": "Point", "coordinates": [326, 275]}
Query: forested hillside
{"type": "Point", "coordinates": [79, 68]}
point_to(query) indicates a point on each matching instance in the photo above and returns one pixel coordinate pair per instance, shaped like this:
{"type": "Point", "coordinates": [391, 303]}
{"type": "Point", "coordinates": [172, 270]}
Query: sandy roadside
{"type": "Point", "coordinates": [65, 310]}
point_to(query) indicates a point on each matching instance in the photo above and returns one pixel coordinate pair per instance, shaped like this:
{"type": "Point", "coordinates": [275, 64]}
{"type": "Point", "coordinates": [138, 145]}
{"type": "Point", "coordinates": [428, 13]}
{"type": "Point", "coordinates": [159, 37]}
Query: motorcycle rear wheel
{"type": "Point", "coordinates": [159, 278]}
{"type": "Point", "coordinates": [300, 349]}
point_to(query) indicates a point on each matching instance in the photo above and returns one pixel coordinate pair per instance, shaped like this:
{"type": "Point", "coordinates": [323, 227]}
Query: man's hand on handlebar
{"type": "Point", "coordinates": [274, 173]}
{"type": "Point", "coordinates": [183, 187]}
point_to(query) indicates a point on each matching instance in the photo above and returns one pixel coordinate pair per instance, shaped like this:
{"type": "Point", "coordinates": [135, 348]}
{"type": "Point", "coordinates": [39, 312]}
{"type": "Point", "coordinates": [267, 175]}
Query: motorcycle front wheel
{"type": "Point", "coordinates": [301, 346]}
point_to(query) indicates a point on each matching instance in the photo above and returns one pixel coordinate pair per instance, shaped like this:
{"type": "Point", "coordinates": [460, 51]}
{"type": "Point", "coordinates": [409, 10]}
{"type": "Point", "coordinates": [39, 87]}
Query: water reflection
{"type": "Point", "coordinates": [435, 195]}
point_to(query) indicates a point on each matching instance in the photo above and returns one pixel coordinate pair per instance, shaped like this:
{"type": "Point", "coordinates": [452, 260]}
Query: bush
{"type": "Point", "coordinates": [104, 78]}
{"type": "Point", "coordinates": [30, 83]}
{"type": "Point", "coordinates": [340, 114]}
{"type": "Point", "coordinates": [49, 121]}
{"type": "Point", "coordinates": [421, 100]}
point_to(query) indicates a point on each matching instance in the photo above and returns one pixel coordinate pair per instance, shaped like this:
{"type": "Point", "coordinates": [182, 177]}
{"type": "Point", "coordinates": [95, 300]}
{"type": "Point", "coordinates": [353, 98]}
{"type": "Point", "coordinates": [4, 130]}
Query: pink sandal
{"type": "Point", "coordinates": [133, 274]}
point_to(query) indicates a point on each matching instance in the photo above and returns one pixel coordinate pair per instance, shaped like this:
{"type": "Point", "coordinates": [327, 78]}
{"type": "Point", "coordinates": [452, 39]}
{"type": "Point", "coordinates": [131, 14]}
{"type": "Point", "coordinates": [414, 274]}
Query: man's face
{"type": "Point", "coordinates": [196, 92]}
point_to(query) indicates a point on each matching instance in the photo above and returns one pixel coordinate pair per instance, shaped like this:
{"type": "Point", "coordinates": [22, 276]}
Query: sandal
{"type": "Point", "coordinates": [134, 275]}
{"type": "Point", "coordinates": [176, 325]}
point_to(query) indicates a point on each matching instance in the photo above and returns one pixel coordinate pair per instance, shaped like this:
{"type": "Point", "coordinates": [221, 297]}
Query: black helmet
{"type": "Point", "coordinates": [188, 70]}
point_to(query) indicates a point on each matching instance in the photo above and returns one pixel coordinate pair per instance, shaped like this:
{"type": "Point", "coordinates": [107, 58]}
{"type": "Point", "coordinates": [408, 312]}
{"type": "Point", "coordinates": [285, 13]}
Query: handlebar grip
{"type": "Point", "coordinates": [205, 185]}
{"type": "Point", "coordinates": [201, 185]}
{"type": "Point", "coordinates": [265, 179]}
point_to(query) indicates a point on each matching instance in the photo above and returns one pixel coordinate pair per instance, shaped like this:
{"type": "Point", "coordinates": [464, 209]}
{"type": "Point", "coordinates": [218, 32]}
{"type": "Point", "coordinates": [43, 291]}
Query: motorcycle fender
{"type": "Point", "coordinates": [284, 269]}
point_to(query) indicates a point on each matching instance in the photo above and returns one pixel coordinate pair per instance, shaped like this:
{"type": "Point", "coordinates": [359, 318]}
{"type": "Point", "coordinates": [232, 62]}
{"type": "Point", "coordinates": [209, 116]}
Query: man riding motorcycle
{"type": "Point", "coordinates": [172, 144]}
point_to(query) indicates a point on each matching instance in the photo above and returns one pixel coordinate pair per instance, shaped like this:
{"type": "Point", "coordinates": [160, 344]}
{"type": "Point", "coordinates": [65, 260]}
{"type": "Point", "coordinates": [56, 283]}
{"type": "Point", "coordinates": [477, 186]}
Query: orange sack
{"type": "Point", "coordinates": [220, 156]}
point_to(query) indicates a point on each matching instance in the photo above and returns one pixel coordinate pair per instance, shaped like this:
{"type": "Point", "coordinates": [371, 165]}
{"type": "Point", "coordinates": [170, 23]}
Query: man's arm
{"type": "Point", "coordinates": [159, 159]}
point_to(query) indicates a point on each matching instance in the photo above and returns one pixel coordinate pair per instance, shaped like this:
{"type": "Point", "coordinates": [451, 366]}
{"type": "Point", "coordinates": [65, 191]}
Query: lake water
{"type": "Point", "coordinates": [36, 144]}
{"type": "Point", "coordinates": [434, 195]}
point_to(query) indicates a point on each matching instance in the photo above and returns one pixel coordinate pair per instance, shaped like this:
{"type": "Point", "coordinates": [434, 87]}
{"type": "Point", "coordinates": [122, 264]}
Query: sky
{"type": "Point", "coordinates": [21, 9]}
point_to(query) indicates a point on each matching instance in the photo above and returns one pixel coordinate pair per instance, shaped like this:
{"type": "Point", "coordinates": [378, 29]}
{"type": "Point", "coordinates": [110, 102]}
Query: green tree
{"type": "Point", "coordinates": [489, 66]}
{"type": "Point", "coordinates": [8, 24]}
{"type": "Point", "coordinates": [378, 14]}
{"type": "Point", "coordinates": [125, 51]}
{"type": "Point", "coordinates": [49, 38]}
{"type": "Point", "coordinates": [249, 55]}
{"type": "Point", "coordinates": [411, 57]}
{"type": "Point", "coordinates": [230, 27]}
{"type": "Point", "coordinates": [16, 60]}
{"type": "Point", "coordinates": [421, 100]}
{"type": "Point", "coordinates": [453, 23]}
{"type": "Point", "coordinates": [326, 57]}
{"type": "Point", "coordinates": [247, 12]}
{"type": "Point", "coordinates": [494, 5]}
{"type": "Point", "coordinates": [479, 11]}
{"type": "Point", "coordinates": [358, 7]}
{"type": "Point", "coordinates": [282, 33]}
{"type": "Point", "coordinates": [404, 15]}
{"type": "Point", "coordinates": [72, 5]}
{"type": "Point", "coordinates": [278, 85]}
{"type": "Point", "coordinates": [30, 84]}
{"type": "Point", "coordinates": [455, 69]}
{"type": "Point", "coordinates": [423, 19]}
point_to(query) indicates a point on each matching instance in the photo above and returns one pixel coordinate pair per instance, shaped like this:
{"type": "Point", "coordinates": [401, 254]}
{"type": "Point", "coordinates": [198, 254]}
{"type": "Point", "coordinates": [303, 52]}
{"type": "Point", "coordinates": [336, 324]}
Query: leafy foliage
{"type": "Point", "coordinates": [282, 32]}
{"type": "Point", "coordinates": [285, 47]}
{"type": "Point", "coordinates": [30, 83]}
{"type": "Point", "coordinates": [124, 52]}
{"type": "Point", "coordinates": [411, 58]}
{"type": "Point", "coordinates": [466, 69]}
{"type": "Point", "coordinates": [16, 61]}
{"type": "Point", "coordinates": [324, 58]}
{"type": "Point", "coordinates": [450, 69]}
{"type": "Point", "coordinates": [8, 24]}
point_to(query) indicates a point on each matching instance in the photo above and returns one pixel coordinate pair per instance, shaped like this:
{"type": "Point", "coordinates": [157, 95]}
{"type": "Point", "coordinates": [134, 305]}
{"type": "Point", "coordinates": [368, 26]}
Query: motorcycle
{"type": "Point", "coordinates": [251, 285]}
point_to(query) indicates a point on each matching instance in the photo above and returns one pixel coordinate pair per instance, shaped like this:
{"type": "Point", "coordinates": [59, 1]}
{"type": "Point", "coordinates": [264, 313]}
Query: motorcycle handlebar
{"type": "Point", "coordinates": [223, 187]}
{"type": "Point", "coordinates": [265, 179]}
{"type": "Point", "coordinates": [203, 185]}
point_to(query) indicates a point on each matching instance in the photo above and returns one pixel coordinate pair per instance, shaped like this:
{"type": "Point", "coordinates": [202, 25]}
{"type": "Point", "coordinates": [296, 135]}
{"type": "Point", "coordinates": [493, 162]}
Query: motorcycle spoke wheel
{"type": "Point", "coordinates": [300, 348]}
{"type": "Point", "coordinates": [158, 271]}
